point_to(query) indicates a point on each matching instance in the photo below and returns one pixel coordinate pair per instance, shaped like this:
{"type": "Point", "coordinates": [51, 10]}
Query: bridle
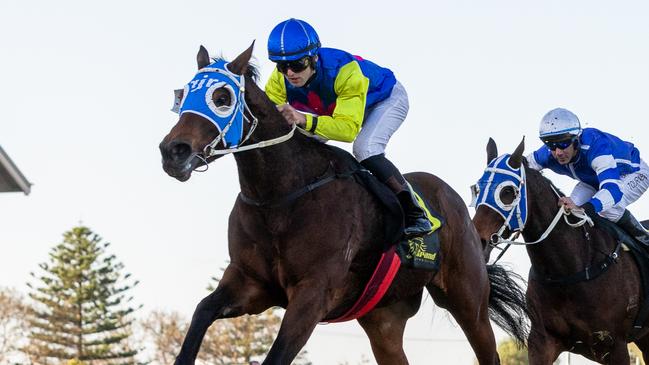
{"type": "Point", "coordinates": [583, 218]}
{"type": "Point", "coordinates": [220, 76]}
{"type": "Point", "coordinates": [588, 273]}
{"type": "Point", "coordinates": [242, 108]}
{"type": "Point", "coordinates": [499, 172]}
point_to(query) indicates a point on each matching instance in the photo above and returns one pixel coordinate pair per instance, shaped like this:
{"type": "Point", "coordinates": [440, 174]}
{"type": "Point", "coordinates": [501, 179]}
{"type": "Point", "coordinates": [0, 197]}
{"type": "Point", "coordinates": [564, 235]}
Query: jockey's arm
{"type": "Point", "coordinates": [538, 160]}
{"type": "Point", "coordinates": [276, 88]}
{"type": "Point", "coordinates": [344, 124]}
{"type": "Point", "coordinates": [604, 165]}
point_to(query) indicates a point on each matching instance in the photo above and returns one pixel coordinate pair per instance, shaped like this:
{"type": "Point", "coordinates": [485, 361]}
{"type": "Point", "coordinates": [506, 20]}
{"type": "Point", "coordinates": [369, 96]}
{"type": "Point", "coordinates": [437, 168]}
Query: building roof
{"type": "Point", "coordinates": [11, 179]}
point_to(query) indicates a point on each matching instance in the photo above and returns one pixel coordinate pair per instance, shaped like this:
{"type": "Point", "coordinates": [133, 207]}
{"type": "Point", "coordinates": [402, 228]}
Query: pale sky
{"type": "Point", "coordinates": [86, 89]}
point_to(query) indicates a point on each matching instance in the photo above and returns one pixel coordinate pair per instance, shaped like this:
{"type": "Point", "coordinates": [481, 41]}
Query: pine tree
{"type": "Point", "coordinates": [81, 310]}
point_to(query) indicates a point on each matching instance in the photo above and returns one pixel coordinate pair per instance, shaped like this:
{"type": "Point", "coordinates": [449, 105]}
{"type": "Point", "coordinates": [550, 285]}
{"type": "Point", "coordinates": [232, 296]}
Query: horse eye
{"type": "Point", "coordinates": [221, 97]}
{"type": "Point", "coordinates": [508, 194]}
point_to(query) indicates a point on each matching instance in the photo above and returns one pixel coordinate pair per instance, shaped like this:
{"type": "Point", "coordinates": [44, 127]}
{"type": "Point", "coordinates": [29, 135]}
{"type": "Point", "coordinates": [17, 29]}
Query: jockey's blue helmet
{"type": "Point", "coordinates": [291, 40]}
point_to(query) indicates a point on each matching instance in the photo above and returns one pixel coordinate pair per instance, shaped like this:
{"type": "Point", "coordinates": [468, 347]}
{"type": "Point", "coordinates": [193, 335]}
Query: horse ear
{"type": "Point", "coordinates": [492, 150]}
{"type": "Point", "coordinates": [202, 58]}
{"type": "Point", "coordinates": [517, 156]}
{"type": "Point", "coordinates": [240, 64]}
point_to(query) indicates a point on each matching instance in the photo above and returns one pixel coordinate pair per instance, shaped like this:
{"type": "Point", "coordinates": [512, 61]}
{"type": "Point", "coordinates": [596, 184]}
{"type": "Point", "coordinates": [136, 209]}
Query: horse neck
{"type": "Point", "coordinates": [271, 172]}
{"type": "Point", "coordinates": [565, 250]}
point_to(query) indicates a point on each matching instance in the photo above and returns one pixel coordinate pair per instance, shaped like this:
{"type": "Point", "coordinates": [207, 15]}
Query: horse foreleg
{"type": "Point", "coordinates": [385, 326]}
{"type": "Point", "coordinates": [306, 307]}
{"type": "Point", "coordinates": [236, 294]}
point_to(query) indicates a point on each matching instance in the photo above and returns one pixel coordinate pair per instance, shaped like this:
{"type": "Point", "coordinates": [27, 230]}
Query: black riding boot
{"type": "Point", "coordinates": [634, 228]}
{"type": "Point", "coordinates": [417, 223]}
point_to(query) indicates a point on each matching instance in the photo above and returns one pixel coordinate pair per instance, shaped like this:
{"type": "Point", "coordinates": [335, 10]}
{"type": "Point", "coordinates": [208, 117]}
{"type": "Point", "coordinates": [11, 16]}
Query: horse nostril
{"type": "Point", "coordinates": [179, 151]}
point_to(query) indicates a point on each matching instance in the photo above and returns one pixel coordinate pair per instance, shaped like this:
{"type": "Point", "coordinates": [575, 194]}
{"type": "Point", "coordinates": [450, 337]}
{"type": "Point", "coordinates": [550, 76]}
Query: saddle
{"type": "Point", "coordinates": [419, 252]}
{"type": "Point", "coordinates": [393, 215]}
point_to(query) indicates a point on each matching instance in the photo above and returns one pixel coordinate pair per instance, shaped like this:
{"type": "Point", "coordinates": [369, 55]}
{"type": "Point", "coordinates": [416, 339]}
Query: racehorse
{"type": "Point", "coordinates": [310, 244]}
{"type": "Point", "coordinates": [584, 292]}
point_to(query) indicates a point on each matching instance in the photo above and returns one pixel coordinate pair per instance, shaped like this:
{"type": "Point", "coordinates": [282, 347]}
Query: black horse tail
{"type": "Point", "coordinates": [507, 305]}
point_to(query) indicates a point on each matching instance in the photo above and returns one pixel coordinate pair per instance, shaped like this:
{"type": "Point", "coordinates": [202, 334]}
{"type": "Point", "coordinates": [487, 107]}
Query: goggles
{"type": "Point", "coordinates": [295, 66]}
{"type": "Point", "coordinates": [562, 145]}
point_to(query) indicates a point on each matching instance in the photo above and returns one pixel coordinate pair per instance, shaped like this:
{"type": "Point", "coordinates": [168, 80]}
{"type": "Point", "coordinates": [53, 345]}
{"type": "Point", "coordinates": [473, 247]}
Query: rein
{"type": "Point", "coordinates": [497, 239]}
{"type": "Point", "coordinates": [262, 144]}
{"type": "Point", "coordinates": [589, 273]}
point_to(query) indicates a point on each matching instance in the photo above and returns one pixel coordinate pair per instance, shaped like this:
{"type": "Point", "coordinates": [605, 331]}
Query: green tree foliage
{"type": "Point", "coordinates": [511, 354]}
{"type": "Point", "coordinates": [81, 312]}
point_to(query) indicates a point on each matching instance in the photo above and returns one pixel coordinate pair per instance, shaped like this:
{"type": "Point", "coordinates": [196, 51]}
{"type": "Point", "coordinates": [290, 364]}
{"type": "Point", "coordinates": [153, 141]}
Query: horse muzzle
{"type": "Point", "coordinates": [180, 174]}
{"type": "Point", "coordinates": [178, 160]}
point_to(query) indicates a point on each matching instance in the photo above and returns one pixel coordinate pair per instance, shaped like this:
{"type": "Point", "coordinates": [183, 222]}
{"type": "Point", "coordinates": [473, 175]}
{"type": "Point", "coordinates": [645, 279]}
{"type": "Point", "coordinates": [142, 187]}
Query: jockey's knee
{"type": "Point", "coordinates": [363, 151]}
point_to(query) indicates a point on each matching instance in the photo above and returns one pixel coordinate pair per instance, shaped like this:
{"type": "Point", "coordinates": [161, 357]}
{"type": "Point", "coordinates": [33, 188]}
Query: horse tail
{"type": "Point", "coordinates": [507, 304]}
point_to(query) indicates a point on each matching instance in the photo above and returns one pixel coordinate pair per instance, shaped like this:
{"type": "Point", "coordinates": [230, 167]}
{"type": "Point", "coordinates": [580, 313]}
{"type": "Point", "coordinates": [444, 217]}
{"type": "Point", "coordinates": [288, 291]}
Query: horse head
{"type": "Point", "coordinates": [216, 114]}
{"type": "Point", "coordinates": [500, 196]}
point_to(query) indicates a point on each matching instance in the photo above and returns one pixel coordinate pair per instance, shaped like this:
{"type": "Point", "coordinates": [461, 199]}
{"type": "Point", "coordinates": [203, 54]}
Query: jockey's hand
{"type": "Point", "coordinates": [292, 115]}
{"type": "Point", "coordinates": [567, 202]}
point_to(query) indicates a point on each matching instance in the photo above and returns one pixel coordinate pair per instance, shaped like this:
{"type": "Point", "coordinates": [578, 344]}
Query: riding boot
{"type": "Point", "coordinates": [416, 220]}
{"type": "Point", "coordinates": [634, 228]}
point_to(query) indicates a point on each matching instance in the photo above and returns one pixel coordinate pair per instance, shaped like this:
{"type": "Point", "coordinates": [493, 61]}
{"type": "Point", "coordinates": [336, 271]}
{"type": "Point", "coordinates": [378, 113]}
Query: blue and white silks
{"type": "Point", "coordinates": [498, 175]}
{"type": "Point", "coordinates": [602, 160]}
{"type": "Point", "coordinates": [197, 99]}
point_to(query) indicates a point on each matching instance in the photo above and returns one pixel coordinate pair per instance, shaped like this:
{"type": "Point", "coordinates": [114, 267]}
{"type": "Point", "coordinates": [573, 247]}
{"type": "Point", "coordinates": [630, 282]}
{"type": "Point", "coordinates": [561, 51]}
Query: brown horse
{"type": "Point", "coordinates": [311, 249]}
{"type": "Point", "coordinates": [583, 292]}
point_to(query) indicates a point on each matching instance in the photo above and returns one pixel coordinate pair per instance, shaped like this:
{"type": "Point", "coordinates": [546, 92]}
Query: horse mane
{"type": "Point", "coordinates": [252, 70]}
{"type": "Point", "coordinates": [541, 176]}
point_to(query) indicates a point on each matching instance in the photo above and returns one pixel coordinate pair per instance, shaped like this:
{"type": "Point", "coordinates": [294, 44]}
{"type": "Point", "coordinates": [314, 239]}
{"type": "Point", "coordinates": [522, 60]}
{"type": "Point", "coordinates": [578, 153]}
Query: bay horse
{"type": "Point", "coordinates": [311, 247]}
{"type": "Point", "coordinates": [584, 292]}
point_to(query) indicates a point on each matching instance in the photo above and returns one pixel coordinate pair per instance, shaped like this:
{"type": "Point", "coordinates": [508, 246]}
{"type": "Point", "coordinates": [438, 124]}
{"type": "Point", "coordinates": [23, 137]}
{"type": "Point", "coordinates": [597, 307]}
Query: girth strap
{"type": "Point", "coordinates": [379, 283]}
{"type": "Point", "coordinates": [587, 274]}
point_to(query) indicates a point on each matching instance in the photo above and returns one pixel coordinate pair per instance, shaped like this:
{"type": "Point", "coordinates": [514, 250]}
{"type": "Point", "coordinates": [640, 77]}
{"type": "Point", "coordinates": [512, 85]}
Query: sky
{"type": "Point", "coordinates": [86, 89]}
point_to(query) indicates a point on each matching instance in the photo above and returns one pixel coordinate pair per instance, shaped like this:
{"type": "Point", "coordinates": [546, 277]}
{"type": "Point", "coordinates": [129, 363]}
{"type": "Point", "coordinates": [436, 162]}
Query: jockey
{"type": "Point", "coordinates": [331, 94]}
{"type": "Point", "coordinates": [610, 172]}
